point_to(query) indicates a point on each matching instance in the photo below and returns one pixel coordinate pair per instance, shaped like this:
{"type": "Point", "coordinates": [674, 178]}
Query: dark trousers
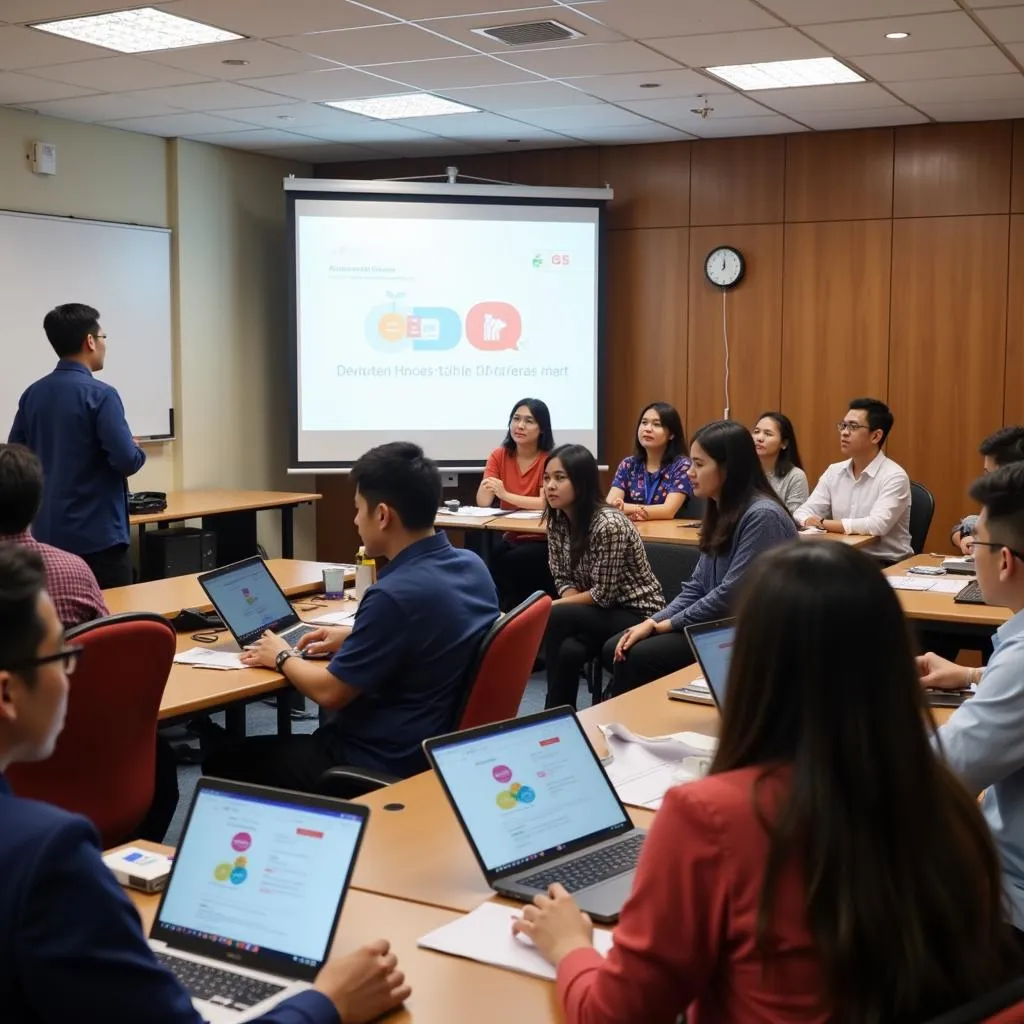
{"type": "Point", "coordinates": [647, 660]}
{"type": "Point", "coordinates": [518, 569]}
{"type": "Point", "coordinates": [165, 795]}
{"type": "Point", "coordinates": [112, 567]}
{"type": "Point", "coordinates": [289, 762]}
{"type": "Point", "coordinates": [574, 636]}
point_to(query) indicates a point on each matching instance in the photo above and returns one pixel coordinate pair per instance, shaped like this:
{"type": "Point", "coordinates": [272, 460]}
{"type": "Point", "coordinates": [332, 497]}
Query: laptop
{"type": "Point", "coordinates": [253, 898]}
{"type": "Point", "coordinates": [711, 643]}
{"type": "Point", "coordinates": [250, 601]}
{"type": "Point", "coordinates": [537, 808]}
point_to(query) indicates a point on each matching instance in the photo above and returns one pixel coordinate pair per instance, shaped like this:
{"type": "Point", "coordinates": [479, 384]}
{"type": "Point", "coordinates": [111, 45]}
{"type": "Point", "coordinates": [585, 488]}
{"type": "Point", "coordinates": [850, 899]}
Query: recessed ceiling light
{"type": "Point", "coordinates": [137, 31]}
{"type": "Point", "coordinates": [897, 35]}
{"type": "Point", "coordinates": [235, 62]}
{"type": "Point", "coordinates": [410, 104]}
{"type": "Point", "coordinates": [786, 74]}
{"type": "Point", "coordinates": [649, 85]}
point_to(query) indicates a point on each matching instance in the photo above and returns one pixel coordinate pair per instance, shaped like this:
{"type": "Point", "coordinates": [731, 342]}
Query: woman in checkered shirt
{"type": "Point", "coordinates": [600, 568]}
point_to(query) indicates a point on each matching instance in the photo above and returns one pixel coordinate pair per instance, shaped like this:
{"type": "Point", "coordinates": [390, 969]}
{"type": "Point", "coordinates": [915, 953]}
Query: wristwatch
{"type": "Point", "coordinates": [282, 657]}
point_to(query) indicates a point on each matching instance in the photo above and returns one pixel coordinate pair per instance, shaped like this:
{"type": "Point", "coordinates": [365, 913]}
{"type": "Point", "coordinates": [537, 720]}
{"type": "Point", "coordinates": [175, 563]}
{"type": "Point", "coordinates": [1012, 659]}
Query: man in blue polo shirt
{"type": "Point", "coordinates": [76, 426]}
{"type": "Point", "coordinates": [399, 674]}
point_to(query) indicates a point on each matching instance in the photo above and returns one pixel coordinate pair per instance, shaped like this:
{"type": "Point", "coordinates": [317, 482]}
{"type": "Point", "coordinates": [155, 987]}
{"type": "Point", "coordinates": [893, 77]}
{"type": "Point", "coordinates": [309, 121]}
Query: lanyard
{"type": "Point", "coordinates": [651, 485]}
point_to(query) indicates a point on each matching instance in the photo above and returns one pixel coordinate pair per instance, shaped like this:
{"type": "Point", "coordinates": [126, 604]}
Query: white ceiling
{"type": "Point", "coordinates": [964, 60]}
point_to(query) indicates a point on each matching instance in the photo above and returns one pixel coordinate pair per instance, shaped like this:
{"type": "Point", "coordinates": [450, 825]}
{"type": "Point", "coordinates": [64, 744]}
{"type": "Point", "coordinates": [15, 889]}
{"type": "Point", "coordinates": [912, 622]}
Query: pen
{"type": "Point", "coordinates": [212, 668]}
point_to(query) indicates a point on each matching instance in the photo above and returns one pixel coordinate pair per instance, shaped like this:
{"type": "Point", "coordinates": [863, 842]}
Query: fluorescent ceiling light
{"type": "Point", "coordinates": [897, 35]}
{"type": "Point", "coordinates": [786, 74]}
{"type": "Point", "coordinates": [137, 31]}
{"type": "Point", "coordinates": [410, 104]}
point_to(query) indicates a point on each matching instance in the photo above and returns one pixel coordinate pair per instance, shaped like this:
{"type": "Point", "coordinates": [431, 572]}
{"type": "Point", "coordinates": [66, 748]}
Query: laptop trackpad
{"type": "Point", "coordinates": [603, 902]}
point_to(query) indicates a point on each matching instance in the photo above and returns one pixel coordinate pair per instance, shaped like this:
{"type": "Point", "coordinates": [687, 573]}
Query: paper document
{"type": "Point", "coordinates": [937, 585]}
{"type": "Point", "coordinates": [485, 934]}
{"type": "Point", "coordinates": [644, 768]}
{"type": "Point", "coordinates": [525, 513]}
{"type": "Point", "coordinates": [208, 658]}
{"type": "Point", "coordinates": [949, 586]}
{"type": "Point", "coordinates": [468, 512]}
{"type": "Point", "coordinates": [334, 619]}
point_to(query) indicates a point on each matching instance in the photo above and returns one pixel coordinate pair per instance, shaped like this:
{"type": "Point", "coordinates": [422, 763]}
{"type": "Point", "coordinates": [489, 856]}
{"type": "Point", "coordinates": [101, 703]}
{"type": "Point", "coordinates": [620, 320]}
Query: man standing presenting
{"type": "Point", "coordinates": [76, 426]}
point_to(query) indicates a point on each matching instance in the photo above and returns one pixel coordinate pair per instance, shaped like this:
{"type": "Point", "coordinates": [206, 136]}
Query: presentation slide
{"type": "Point", "coordinates": [528, 790]}
{"type": "Point", "coordinates": [248, 599]}
{"type": "Point", "coordinates": [264, 876]}
{"type": "Point", "coordinates": [426, 321]}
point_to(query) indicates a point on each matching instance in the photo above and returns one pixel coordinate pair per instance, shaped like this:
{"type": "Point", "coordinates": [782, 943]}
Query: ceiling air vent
{"type": "Point", "coordinates": [529, 33]}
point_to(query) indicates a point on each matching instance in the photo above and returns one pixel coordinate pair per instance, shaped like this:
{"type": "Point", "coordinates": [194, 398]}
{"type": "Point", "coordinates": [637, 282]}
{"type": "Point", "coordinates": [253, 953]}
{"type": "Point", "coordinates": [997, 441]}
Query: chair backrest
{"type": "Point", "coordinates": [672, 564]}
{"type": "Point", "coordinates": [693, 508]}
{"type": "Point", "coordinates": [922, 508]}
{"type": "Point", "coordinates": [503, 663]}
{"type": "Point", "coordinates": [104, 763]}
{"type": "Point", "coordinates": [1003, 1006]}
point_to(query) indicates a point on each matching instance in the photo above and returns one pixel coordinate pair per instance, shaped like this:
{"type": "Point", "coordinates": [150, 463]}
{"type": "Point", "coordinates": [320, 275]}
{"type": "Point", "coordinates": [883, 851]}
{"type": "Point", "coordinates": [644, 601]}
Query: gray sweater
{"type": "Point", "coordinates": [708, 593]}
{"type": "Point", "coordinates": [792, 488]}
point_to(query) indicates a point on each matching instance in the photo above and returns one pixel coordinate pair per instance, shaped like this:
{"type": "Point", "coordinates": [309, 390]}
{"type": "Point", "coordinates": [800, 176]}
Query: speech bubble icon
{"type": "Point", "coordinates": [493, 326]}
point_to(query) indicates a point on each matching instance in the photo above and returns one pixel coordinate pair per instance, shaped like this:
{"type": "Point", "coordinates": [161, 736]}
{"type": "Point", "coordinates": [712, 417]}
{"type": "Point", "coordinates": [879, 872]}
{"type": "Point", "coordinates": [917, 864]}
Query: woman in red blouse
{"type": "Point", "coordinates": [829, 868]}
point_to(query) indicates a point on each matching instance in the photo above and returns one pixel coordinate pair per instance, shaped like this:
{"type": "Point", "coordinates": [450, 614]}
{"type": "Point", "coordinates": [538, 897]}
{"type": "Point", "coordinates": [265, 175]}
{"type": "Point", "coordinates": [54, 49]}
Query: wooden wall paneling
{"type": "Point", "coordinates": [754, 319]}
{"type": "Point", "coordinates": [835, 328]}
{"type": "Point", "coordinates": [738, 181]}
{"type": "Point", "coordinates": [839, 175]}
{"type": "Point", "coordinates": [947, 352]}
{"type": "Point", "coordinates": [1017, 179]}
{"type": "Point", "coordinates": [336, 535]}
{"type": "Point", "coordinates": [645, 357]}
{"type": "Point", "coordinates": [1013, 401]}
{"type": "Point", "coordinates": [566, 168]}
{"type": "Point", "coordinates": [651, 183]}
{"type": "Point", "coordinates": [944, 170]}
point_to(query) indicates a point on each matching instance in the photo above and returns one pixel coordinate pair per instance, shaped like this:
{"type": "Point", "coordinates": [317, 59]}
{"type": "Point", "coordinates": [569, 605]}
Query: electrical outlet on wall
{"type": "Point", "coordinates": [449, 479]}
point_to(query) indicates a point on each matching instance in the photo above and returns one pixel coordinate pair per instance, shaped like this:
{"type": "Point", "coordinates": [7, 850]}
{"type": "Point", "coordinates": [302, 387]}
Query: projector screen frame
{"type": "Point", "coordinates": [345, 190]}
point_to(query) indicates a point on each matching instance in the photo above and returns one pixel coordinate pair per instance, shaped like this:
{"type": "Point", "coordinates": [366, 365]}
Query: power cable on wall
{"type": "Point", "coordinates": [725, 345]}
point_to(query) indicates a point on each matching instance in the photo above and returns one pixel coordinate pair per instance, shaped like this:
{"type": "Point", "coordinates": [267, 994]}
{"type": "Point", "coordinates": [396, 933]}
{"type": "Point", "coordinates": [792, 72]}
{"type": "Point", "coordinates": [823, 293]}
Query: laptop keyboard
{"type": "Point", "coordinates": [293, 634]}
{"type": "Point", "coordinates": [971, 594]}
{"type": "Point", "coordinates": [595, 867]}
{"type": "Point", "coordinates": [226, 988]}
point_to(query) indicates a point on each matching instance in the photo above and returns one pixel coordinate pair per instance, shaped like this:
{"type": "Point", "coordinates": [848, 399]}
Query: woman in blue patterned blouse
{"type": "Point", "coordinates": [652, 482]}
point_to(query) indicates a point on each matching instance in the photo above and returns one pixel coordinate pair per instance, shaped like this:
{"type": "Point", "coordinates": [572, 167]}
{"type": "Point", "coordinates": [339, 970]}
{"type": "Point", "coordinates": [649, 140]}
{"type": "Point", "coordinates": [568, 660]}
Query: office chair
{"type": "Point", "coordinates": [497, 679]}
{"type": "Point", "coordinates": [104, 764]}
{"type": "Point", "coordinates": [693, 508]}
{"type": "Point", "coordinates": [1003, 1006]}
{"type": "Point", "coordinates": [922, 508]}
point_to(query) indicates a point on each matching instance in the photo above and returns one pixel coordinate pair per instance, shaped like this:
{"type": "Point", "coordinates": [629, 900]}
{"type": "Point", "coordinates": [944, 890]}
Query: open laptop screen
{"type": "Point", "coordinates": [260, 874]}
{"type": "Point", "coordinates": [526, 790]}
{"type": "Point", "coordinates": [248, 599]}
{"type": "Point", "coordinates": [712, 646]}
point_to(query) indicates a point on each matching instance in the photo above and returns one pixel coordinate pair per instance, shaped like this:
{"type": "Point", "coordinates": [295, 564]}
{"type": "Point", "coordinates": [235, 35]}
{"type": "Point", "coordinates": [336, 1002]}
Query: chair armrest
{"type": "Point", "coordinates": [347, 782]}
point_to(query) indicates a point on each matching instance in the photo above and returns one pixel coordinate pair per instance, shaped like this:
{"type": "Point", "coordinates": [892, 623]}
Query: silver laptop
{"type": "Point", "coordinates": [250, 601]}
{"type": "Point", "coordinates": [254, 895]}
{"type": "Point", "coordinates": [537, 808]}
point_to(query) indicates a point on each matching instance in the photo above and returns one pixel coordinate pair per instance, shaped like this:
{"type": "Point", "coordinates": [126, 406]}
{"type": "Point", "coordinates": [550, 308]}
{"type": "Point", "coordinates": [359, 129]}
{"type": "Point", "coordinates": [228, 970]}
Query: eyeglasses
{"type": "Point", "coordinates": [100, 337]}
{"type": "Point", "coordinates": [998, 547]}
{"type": "Point", "coordinates": [69, 657]}
{"type": "Point", "coordinates": [524, 421]}
{"type": "Point", "coordinates": [843, 425]}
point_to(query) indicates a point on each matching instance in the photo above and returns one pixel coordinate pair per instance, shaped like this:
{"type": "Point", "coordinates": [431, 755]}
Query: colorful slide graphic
{"type": "Point", "coordinates": [396, 328]}
{"type": "Point", "coordinates": [516, 794]}
{"type": "Point", "coordinates": [237, 872]}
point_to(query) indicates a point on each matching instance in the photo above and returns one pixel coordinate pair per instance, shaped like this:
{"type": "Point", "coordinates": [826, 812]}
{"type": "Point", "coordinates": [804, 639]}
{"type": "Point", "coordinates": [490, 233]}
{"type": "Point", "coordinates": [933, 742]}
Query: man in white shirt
{"type": "Point", "coordinates": [868, 492]}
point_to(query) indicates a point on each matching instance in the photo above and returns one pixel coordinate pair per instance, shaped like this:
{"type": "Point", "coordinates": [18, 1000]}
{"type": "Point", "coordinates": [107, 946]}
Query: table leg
{"type": "Point", "coordinates": [287, 531]}
{"type": "Point", "coordinates": [284, 712]}
{"type": "Point", "coordinates": [234, 720]}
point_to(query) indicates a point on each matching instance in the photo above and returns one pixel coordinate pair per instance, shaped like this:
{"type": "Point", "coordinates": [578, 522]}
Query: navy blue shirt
{"type": "Point", "coordinates": [71, 945]}
{"type": "Point", "coordinates": [75, 424]}
{"type": "Point", "coordinates": [414, 638]}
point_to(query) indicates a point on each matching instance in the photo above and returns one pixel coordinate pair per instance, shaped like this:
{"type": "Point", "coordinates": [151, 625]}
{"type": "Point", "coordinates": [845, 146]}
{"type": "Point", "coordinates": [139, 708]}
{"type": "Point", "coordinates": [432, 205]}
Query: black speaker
{"type": "Point", "coordinates": [178, 551]}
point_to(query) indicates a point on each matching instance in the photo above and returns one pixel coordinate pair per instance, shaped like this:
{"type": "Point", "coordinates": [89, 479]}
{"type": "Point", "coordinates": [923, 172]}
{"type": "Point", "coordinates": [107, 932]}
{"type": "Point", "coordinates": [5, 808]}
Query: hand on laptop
{"type": "Point", "coordinates": [940, 674]}
{"type": "Point", "coordinates": [262, 653]}
{"type": "Point", "coordinates": [365, 984]}
{"type": "Point", "coordinates": [555, 925]}
{"type": "Point", "coordinates": [324, 640]}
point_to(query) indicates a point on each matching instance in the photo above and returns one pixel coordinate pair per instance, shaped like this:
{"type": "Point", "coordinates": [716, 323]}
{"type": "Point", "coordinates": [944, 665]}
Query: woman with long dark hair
{"type": "Point", "coordinates": [519, 561]}
{"type": "Point", "coordinates": [742, 517]}
{"type": "Point", "coordinates": [599, 564]}
{"type": "Point", "coordinates": [830, 868]}
{"type": "Point", "coordinates": [775, 442]}
{"type": "Point", "coordinates": [652, 483]}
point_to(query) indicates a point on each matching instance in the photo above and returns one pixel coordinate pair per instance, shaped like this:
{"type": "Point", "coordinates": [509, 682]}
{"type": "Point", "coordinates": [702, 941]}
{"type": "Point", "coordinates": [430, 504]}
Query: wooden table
{"type": "Point", "coordinates": [923, 604]}
{"type": "Point", "coordinates": [207, 505]}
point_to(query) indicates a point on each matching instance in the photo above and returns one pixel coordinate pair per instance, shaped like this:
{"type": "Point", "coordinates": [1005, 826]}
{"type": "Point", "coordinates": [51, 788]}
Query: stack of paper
{"type": "Point", "coordinates": [525, 513]}
{"type": "Point", "coordinates": [468, 512]}
{"type": "Point", "coordinates": [206, 657]}
{"type": "Point", "coordinates": [485, 934]}
{"type": "Point", "coordinates": [334, 619]}
{"type": "Point", "coordinates": [936, 585]}
{"type": "Point", "coordinates": [644, 768]}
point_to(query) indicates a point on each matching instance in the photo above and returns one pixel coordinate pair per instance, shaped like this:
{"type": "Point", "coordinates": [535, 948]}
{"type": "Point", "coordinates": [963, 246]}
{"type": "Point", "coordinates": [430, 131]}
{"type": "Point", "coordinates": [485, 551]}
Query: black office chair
{"type": "Point", "coordinates": [693, 508]}
{"type": "Point", "coordinates": [989, 1007]}
{"type": "Point", "coordinates": [922, 509]}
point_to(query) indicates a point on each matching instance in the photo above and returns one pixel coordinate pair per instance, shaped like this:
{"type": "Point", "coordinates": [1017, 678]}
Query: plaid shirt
{"type": "Point", "coordinates": [69, 582]}
{"type": "Point", "coordinates": [614, 566]}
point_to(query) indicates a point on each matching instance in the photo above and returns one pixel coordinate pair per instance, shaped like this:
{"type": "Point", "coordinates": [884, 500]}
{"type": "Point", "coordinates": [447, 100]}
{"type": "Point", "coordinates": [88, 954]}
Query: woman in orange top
{"type": "Point", "coordinates": [515, 475]}
{"type": "Point", "coordinates": [830, 868]}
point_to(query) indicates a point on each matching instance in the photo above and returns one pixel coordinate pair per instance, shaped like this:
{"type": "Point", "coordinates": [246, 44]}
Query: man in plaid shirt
{"type": "Point", "coordinates": [69, 581]}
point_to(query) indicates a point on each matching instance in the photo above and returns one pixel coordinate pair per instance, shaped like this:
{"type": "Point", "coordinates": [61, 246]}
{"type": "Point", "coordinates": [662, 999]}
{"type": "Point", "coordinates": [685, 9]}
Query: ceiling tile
{"type": "Point", "coordinates": [706, 51]}
{"type": "Point", "coordinates": [877, 117]}
{"type": "Point", "coordinates": [29, 47]}
{"type": "Point", "coordinates": [466, 126]}
{"type": "Point", "coordinates": [961, 90]}
{"type": "Point", "coordinates": [850, 96]}
{"type": "Point", "coordinates": [386, 44]}
{"type": "Point", "coordinates": [1017, 49]}
{"type": "Point", "coordinates": [520, 97]}
{"type": "Point", "coordinates": [644, 19]}
{"type": "Point", "coordinates": [461, 29]}
{"type": "Point", "coordinates": [596, 59]}
{"type": "Point", "coordinates": [16, 11]}
{"type": "Point", "coordinates": [15, 88]}
{"type": "Point", "coordinates": [816, 12]}
{"type": "Point", "coordinates": [992, 3]}
{"type": "Point", "coordinates": [731, 127]}
{"type": "Point", "coordinates": [630, 87]}
{"type": "Point", "coordinates": [362, 131]}
{"type": "Point", "coordinates": [213, 96]}
{"type": "Point", "coordinates": [104, 107]}
{"type": "Point", "coordinates": [114, 74]}
{"type": "Point", "coordinates": [420, 10]}
{"type": "Point", "coordinates": [927, 32]}
{"type": "Point", "coordinates": [340, 84]}
{"type": "Point", "coordinates": [903, 67]}
{"type": "Point", "coordinates": [176, 125]}
{"type": "Point", "coordinates": [322, 153]}
{"type": "Point", "coordinates": [259, 138]}
{"type": "Point", "coordinates": [263, 59]}
{"type": "Point", "coordinates": [1005, 23]}
{"type": "Point", "coordinates": [264, 18]}
{"type": "Point", "coordinates": [289, 116]}
{"type": "Point", "coordinates": [454, 72]}
{"type": "Point", "coordinates": [982, 110]}
{"type": "Point", "coordinates": [679, 111]}
{"type": "Point", "coordinates": [429, 145]}
{"type": "Point", "coordinates": [651, 132]}
{"type": "Point", "coordinates": [565, 118]}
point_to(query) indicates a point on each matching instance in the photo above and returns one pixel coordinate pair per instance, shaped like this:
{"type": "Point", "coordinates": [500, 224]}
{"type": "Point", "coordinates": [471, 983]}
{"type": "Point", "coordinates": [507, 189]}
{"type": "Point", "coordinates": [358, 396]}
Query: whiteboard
{"type": "Point", "coordinates": [122, 270]}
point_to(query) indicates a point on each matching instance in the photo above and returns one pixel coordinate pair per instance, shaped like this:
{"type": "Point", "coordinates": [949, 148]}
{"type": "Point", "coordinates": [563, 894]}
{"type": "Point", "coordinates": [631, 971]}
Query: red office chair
{"type": "Point", "coordinates": [497, 681]}
{"type": "Point", "coordinates": [104, 763]}
{"type": "Point", "coordinates": [1003, 1006]}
